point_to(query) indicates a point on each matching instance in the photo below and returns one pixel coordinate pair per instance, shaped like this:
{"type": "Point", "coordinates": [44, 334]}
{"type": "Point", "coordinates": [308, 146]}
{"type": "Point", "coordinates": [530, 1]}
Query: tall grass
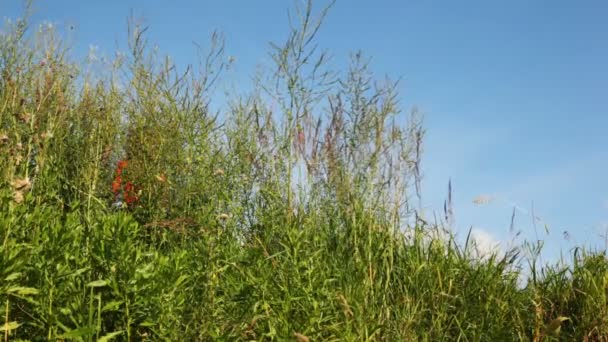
{"type": "Point", "coordinates": [130, 211]}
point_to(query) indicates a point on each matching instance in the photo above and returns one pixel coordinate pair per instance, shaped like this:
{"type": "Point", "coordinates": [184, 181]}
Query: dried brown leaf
{"type": "Point", "coordinates": [18, 196]}
{"type": "Point", "coordinates": [301, 338]}
{"type": "Point", "coordinates": [22, 184]}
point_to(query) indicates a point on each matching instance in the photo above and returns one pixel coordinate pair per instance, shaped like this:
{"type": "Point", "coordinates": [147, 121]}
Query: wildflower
{"type": "Point", "coordinates": [116, 184]}
{"type": "Point", "coordinates": [122, 164]}
{"type": "Point", "coordinates": [130, 194]}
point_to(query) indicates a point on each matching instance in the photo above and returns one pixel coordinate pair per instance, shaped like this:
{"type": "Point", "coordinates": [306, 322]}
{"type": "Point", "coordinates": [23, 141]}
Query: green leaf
{"type": "Point", "coordinates": [555, 325]}
{"type": "Point", "coordinates": [180, 280]}
{"type": "Point", "coordinates": [98, 283]}
{"type": "Point", "coordinates": [79, 332]}
{"type": "Point", "coordinates": [113, 305]}
{"type": "Point", "coordinates": [78, 272]}
{"type": "Point", "coordinates": [110, 336]}
{"type": "Point", "coordinates": [12, 276]}
{"type": "Point", "coordinates": [23, 291]}
{"type": "Point", "coordinates": [9, 326]}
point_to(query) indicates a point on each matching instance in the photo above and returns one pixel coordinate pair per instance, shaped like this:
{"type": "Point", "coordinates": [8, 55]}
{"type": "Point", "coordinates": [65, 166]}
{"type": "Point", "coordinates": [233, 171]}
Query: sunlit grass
{"type": "Point", "coordinates": [132, 212]}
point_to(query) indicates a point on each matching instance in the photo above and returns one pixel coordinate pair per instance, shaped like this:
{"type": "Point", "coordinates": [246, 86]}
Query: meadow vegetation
{"type": "Point", "coordinates": [129, 210]}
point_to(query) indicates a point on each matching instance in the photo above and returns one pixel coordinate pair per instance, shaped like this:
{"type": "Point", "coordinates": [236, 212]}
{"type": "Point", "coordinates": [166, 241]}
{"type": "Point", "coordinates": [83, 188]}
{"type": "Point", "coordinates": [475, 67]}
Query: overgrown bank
{"type": "Point", "coordinates": [130, 211]}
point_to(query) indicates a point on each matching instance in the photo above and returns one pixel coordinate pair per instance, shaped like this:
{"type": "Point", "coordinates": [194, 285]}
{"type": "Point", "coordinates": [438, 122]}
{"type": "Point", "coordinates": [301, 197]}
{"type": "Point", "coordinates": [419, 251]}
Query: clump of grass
{"type": "Point", "coordinates": [285, 216]}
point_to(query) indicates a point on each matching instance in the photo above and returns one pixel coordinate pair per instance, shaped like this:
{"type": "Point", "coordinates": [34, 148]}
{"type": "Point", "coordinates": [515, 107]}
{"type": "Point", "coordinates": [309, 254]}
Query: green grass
{"type": "Point", "coordinates": [285, 216]}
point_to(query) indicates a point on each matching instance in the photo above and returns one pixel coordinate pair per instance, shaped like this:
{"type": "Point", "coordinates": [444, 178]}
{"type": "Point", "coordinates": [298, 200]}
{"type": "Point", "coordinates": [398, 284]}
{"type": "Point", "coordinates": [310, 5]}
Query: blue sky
{"type": "Point", "coordinates": [514, 93]}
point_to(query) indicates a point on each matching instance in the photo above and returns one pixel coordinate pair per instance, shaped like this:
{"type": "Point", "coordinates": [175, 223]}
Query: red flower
{"type": "Point", "coordinates": [116, 185]}
{"type": "Point", "coordinates": [122, 164]}
{"type": "Point", "coordinates": [129, 193]}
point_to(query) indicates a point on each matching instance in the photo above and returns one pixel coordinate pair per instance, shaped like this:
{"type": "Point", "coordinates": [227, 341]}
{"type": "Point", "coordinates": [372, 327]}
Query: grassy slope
{"type": "Point", "coordinates": [225, 240]}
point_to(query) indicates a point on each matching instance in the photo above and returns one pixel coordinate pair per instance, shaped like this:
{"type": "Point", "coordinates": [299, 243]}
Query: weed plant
{"type": "Point", "coordinates": [130, 211]}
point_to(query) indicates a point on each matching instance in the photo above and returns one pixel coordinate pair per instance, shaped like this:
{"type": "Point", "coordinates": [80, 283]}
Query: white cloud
{"type": "Point", "coordinates": [484, 243]}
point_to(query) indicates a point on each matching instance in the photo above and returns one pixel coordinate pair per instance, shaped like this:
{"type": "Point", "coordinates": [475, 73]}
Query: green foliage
{"type": "Point", "coordinates": [285, 216]}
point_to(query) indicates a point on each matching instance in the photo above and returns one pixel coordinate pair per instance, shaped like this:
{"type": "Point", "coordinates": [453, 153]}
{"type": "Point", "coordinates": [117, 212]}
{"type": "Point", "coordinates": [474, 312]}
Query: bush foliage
{"type": "Point", "coordinates": [131, 211]}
